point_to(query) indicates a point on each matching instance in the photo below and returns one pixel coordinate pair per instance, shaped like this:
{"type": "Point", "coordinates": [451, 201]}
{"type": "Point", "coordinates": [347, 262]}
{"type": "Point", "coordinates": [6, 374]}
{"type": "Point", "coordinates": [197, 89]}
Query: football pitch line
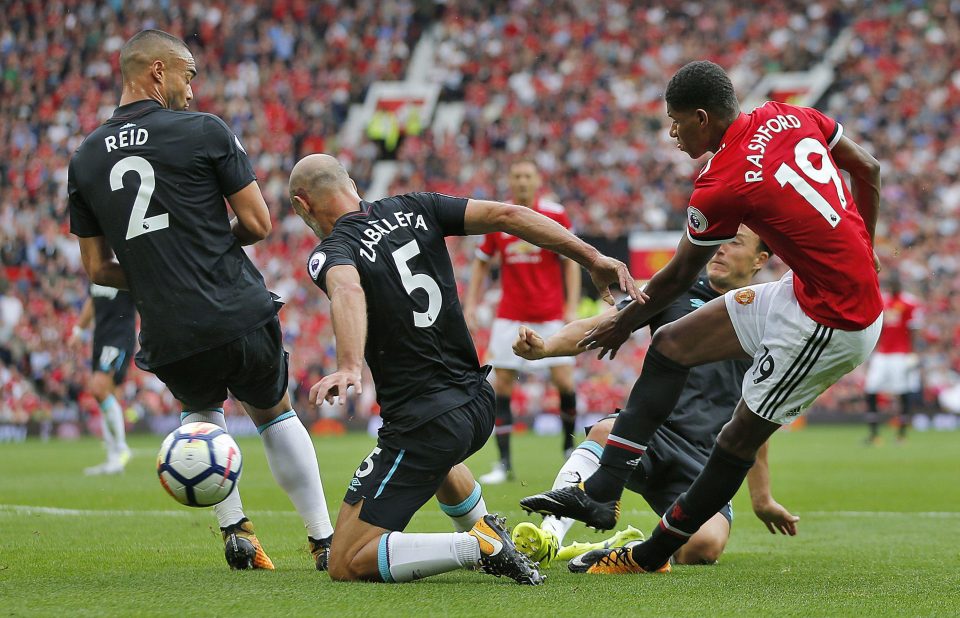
{"type": "Point", "coordinates": [23, 509]}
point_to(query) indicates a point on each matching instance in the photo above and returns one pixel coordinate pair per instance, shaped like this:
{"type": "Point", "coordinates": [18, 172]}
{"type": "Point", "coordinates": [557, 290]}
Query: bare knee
{"type": "Point", "coordinates": [668, 342]}
{"type": "Point", "coordinates": [600, 432]}
{"type": "Point", "coordinates": [349, 569]}
{"type": "Point", "coordinates": [705, 550]}
{"type": "Point", "coordinates": [101, 385]}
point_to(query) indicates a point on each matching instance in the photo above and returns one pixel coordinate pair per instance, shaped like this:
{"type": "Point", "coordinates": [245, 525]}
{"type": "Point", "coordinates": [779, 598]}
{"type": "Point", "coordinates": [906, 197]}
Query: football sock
{"type": "Point", "coordinates": [404, 557]}
{"type": "Point", "coordinates": [904, 414]}
{"type": "Point", "coordinates": [873, 416]}
{"type": "Point", "coordinates": [293, 462]}
{"type": "Point", "coordinates": [230, 511]}
{"type": "Point", "coordinates": [108, 440]}
{"type": "Point", "coordinates": [713, 488]}
{"type": "Point", "coordinates": [580, 466]}
{"type": "Point", "coordinates": [503, 428]}
{"type": "Point", "coordinates": [651, 400]}
{"type": "Point", "coordinates": [568, 415]}
{"type": "Point", "coordinates": [468, 512]}
{"type": "Point", "coordinates": [112, 414]}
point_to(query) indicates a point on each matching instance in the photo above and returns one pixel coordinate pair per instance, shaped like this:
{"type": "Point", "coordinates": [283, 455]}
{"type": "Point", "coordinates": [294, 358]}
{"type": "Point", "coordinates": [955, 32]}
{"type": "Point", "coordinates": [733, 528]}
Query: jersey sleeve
{"type": "Point", "coordinates": [446, 210]}
{"type": "Point", "coordinates": [714, 214]}
{"type": "Point", "coordinates": [230, 162]}
{"type": "Point", "coordinates": [83, 222]}
{"type": "Point", "coordinates": [831, 129]}
{"type": "Point", "coordinates": [325, 257]}
{"type": "Point", "coordinates": [487, 248]}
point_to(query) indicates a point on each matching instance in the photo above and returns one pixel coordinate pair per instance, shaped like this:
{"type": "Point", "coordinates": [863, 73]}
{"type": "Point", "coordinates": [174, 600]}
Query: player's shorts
{"type": "Point", "coordinates": [504, 333]}
{"type": "Point", "coordinates": [667, 469]}
{"type": "Point", "coordinates": [405, 470]}
{"type": "Point", "coordinates": [113, 357]}
{"type": "Point", "coordinates": [253, 368]}
{"type": "Point", "coordinates": [794, 358]}
{"type": "Point", "coordinates": [896, 374]}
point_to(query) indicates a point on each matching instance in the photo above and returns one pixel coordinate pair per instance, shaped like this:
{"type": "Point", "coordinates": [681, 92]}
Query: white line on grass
{"type": "Point", "coordinates": [22, 509]}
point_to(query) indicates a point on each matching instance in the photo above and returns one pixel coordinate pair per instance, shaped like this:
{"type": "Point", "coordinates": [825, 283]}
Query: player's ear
{"type": "Point", "coordinates": [157, 69]}
{"type": "Point", "coordinates": [703, 117]}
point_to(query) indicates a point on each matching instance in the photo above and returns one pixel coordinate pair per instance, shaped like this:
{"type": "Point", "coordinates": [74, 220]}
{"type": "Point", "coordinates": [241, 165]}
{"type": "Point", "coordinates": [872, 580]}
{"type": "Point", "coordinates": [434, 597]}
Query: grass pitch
{"type": "Point", "coordinates": [879, 535]}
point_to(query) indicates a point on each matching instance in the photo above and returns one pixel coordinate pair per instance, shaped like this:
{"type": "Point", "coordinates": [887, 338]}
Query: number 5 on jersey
{"type": "Point", "coordinates": [139, 223]}
{"type": "Point", "coordinates": [420, 281]}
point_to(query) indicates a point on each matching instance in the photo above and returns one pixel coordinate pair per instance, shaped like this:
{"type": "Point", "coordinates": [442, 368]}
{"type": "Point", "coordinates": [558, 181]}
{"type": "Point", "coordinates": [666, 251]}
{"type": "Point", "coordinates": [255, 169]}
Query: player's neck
{"type": "Point", "coordinates": [134, 93]}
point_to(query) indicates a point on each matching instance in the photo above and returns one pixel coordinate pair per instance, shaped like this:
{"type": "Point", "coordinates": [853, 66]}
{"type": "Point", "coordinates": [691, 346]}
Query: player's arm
{"type": "Point", "coordinates": [483, 216]}
{"type": "Point", "coordinates": [348, 310]}
{"type": "Point", "coordinates": [864, 172]}
{"type": "Point", "coordinates": [479, 271]}
{"type": "Point", "coordinates": [252, 223]}
{"type": "Point", "coordinates": [768, 510]}
{"type": "Point", "coordinates": [101, 264]}
{"type": "Point", "coordinates": [663, 288]}
{"type": "Point", "coordinates": [565, 342]}
{"type": "Point", "coordinates": [572, 284]}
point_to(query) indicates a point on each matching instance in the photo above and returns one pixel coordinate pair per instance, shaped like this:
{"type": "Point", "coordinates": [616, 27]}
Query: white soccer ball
{"type": "Point", "coordinates": [199, 464]}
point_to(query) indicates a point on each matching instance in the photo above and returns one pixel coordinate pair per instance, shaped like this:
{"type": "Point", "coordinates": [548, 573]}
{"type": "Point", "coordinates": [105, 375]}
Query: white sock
{"type": "Point", "coordinates": [230, 511]}
{"type": "Point", "coordinates": [293, 462]}
{"type": "Point", "coordinates": [405, 557]}
{"type": "Point", "coordinates": [112, 413]}
{"type": "Point", "coordinates": [584, 461]}
{"type": "Point", "coordinates": [108, 441]}
{"type": "Point", "coordinates": [468, 512]}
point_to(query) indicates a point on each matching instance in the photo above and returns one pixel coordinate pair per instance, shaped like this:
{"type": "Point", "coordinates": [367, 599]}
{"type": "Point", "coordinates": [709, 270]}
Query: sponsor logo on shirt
{"type": "Point", "coordinates": [696, 303]}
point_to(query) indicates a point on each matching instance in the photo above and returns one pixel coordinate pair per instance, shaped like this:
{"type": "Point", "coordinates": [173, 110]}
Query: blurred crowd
{"type": "Point", "coordinates": [577, 86]}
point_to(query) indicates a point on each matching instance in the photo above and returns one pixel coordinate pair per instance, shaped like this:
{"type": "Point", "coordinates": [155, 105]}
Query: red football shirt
{"type": "Point", "coordinates": [901, 314]}
{"type": "Point", "coordinates": [774, 173]}
{"type": "Point", "coordinates": [531, 278]}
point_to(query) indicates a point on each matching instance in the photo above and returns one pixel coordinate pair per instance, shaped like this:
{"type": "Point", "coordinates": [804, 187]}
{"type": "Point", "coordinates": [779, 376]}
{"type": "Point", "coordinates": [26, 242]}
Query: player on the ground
{"type": "Point", "coordinates": [146, 194]}
{"type": "Point", "coordinates": [394, 302]}
{"type": "Point", "coordinates": [539, 288]}
{"type": "Point", "coordinates": [680, 447]}
{"type": "Point", "coordinates": [114, 319]}
{"type": "Point", "coordinates": [775, 170]}
{"type": "Point", "coordinates": [894, 367]}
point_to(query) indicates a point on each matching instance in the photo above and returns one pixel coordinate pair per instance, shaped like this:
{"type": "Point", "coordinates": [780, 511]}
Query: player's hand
{"type": "Point", "coordinates": [529, 344]}
{"type": "Point", "coordinates": [776, 517]}
{"type": "Point", "coordinates": [334, 387]}
{"type": "Point", "coordinates": [607, 336]}
{"type": "Point", "coordinates": [606, 272]}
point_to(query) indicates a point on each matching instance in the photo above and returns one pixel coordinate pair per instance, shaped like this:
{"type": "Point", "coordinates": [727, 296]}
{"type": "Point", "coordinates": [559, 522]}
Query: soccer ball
{"type": "Point", "coordinates": [199, 464]}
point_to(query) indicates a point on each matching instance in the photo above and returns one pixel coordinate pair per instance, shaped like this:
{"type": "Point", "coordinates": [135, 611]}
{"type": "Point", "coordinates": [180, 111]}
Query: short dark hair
{"type": "Point", "coordinates": [138, 49]}
{"type": "Point", "coordinates": [763, 247]}
{"type": "Point", "coordinates": [702, 85]}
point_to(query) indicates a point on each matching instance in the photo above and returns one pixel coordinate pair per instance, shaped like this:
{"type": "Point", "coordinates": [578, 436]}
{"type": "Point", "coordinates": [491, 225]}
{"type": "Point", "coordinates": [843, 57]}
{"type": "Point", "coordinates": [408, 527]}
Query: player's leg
{"type": "Point", "coordinates": [874, 384]}
{"type": "Point", "coordinates": [99, 386]}
{"type": "Point", "coordinates": [109, 368]}
{"type": "Point", "coordinates": [461, 498]}
{"type": "Point", "coordinates": [504, 381]}
{"type": "Point", "coordinates": [562, 378]}
{"type": "Point", "coordinates": [707, 543]}
{"type": "Point", "coordinates": [261, 386]}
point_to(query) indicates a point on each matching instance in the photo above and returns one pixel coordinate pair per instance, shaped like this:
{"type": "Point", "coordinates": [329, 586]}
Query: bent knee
{"type": "Point", "coordinates": [668, 341]}
{"type": "Point", "coordinates": [600, 431]}
{"type": "Point", "coordinates": [345, 571]}
{"type": "Point", "coordinates": [701, 551]}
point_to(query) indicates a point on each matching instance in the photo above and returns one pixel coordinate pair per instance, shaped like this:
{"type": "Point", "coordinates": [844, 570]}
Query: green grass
{"type": "Point", "coordinates": [879, 535]}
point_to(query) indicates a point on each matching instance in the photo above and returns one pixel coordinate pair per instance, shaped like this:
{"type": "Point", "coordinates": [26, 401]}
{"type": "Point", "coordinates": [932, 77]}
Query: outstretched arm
{"type": "Point", "coordinates": [348, 309]}
{"type": "Point", "coordinates": [571, 285]}
{"type": "Point", "coordinates": [768, 510]}
{"type": "Point", "coordinates": [565, 342]}
{"type": "Point", "coordinates": [483, 216]}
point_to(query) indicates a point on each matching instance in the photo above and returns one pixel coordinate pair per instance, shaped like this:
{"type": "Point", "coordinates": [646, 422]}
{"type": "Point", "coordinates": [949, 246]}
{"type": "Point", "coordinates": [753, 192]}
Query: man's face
{"type": "Point", "coordinates": [735, 262]}
{"type": "Point", "coordinates": [181, 69]}
{"type": "Point", "coordinates": [690, 131]}
{"type": "Point", "coordinates": [524, 182]}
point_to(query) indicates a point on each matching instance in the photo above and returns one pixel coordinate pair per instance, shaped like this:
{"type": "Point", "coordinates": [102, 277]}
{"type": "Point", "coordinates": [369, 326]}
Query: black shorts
{"type": "Point", "coordinates": [253, 368]}
{"type": "Point", "coordinates": [112, 356]}
{"type": "Point", "coordinates": [405, 470]}
{"type": "Point", "coordinates": [667, 469]}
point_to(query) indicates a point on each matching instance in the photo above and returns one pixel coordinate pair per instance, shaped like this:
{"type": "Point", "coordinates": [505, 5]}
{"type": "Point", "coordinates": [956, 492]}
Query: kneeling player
{"type": "Point", "coordinates": [681, 446]}
{"type": "Point", "coordinates": [393, 298]}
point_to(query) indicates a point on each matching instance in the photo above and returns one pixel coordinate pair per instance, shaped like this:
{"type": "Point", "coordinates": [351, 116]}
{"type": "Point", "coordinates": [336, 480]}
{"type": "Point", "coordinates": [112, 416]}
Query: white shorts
{"type": "Point", "coordinates": [896, 374]}
{"type": "Point", "coordinates": [504, 333]}
{"type": "Point", "coordinates": [794, 358]}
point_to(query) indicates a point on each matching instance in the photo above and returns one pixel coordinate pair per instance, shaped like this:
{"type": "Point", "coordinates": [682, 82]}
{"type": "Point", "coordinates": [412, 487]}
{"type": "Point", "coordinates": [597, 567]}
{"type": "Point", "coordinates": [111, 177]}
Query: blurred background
{"type": "Point", "coordinates": [442, 96]}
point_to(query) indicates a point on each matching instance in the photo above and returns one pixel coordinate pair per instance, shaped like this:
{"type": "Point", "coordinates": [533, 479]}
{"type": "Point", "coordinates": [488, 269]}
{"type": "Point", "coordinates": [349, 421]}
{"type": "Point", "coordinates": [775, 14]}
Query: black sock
{"type": "Point", "coordinates": [503, 428]}
{"type": "Point", "coordinates": [653, 397]}
{"type": "Point", "coordinates": [568, 415]}
{"type": "Point", "coordinates": [904, 414]}
{"type": "Point", "coordinates": [716, 485]}
{"type": "Point", "coordinates": [873, 416]}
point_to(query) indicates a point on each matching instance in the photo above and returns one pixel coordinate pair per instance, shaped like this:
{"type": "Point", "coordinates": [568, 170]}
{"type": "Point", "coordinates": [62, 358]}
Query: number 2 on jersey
{"type": "Point", "coordinates": [139, 222]}
{"type": "Point", "coordinates": [420, 281]}
{"type": "Point", "coordinates": [824, 175]}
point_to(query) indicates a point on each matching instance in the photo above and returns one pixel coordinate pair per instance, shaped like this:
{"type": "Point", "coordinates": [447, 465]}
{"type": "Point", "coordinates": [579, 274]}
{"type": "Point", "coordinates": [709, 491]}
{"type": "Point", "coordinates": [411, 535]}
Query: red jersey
{"type": "Point", "coordinates": [901, 314]}
{"type": "Point", "coordinates": [531, 278]}
{"type": "Point", "coordinates": [774, 173]}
